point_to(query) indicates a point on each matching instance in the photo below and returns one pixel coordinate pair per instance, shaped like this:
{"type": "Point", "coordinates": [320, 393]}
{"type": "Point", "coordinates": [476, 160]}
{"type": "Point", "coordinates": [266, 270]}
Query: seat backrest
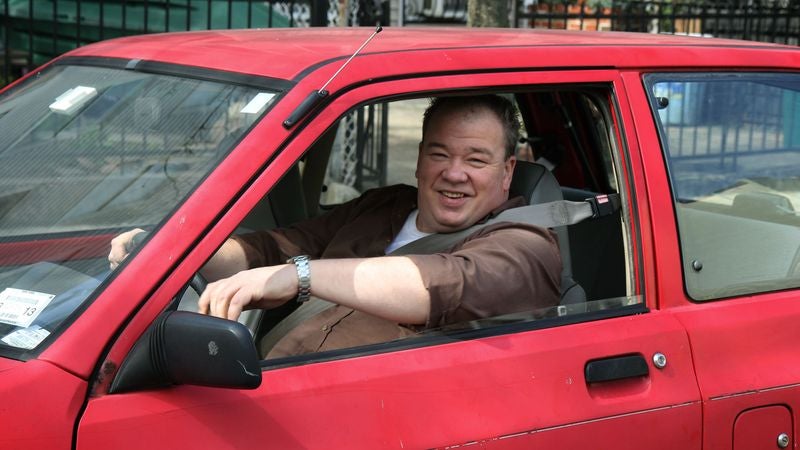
{"type": "Point", "coordinates": [537, 185]}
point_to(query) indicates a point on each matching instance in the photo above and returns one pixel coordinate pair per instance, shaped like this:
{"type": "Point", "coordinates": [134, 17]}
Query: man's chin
{"type": "Point", "coordinates": [453, 225]}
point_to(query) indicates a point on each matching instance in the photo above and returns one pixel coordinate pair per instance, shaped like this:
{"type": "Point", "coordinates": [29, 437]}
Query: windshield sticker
{"type": "Point", "coordinates": [257, 103]}
{"type": "Point", "coordinates": [26, 338]}
{"type": "Point", "coordinates": [20, 307]}
{"type": "Point", "coordinates": [73, 100]}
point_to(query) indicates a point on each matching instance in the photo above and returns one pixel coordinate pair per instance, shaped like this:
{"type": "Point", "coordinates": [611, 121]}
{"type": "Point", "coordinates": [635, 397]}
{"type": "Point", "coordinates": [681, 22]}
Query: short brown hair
{"type": "Point", "coordinates": [500, 106]}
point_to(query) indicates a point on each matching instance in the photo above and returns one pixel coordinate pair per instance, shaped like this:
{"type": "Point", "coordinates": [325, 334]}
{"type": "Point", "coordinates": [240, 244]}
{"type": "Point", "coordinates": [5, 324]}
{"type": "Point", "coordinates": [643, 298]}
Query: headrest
{"type": "Point", "coordinates": [535, 183]}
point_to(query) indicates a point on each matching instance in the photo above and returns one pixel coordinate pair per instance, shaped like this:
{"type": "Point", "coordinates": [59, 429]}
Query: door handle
{"type": "Point", "coordinates": [615, 368]}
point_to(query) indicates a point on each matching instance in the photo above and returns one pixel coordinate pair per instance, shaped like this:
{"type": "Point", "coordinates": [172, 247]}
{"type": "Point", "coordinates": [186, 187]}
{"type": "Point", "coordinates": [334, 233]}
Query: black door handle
{"type": "Point", "coordinates": [615, 368]}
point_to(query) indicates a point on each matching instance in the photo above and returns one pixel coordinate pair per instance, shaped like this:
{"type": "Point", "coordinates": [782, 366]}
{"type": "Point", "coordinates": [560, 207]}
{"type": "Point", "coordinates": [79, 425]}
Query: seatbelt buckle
{"type": "Point", "coordinates": [604, 205]}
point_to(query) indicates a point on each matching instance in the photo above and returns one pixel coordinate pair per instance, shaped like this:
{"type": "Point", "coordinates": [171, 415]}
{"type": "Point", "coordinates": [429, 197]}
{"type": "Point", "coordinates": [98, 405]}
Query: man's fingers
{"type": "Point", "coordinates": [237, 304]}
{"type": "Point", "coordinates": [229, 297]}
{"type": "Point", "coordinates": [202, 302]}
{"type": "Point", "coordinates": [220, 299]}
{"type": "Point", "coordinates": [121, 247]}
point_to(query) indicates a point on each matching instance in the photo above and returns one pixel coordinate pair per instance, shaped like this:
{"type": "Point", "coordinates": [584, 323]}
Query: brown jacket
{"type": "Point", "coordinates": [500, 269]}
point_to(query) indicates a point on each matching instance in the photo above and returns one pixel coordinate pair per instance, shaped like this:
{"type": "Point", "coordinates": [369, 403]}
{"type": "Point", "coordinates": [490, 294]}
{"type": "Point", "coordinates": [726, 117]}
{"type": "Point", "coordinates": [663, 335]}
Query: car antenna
{"type": "Point", "coordinates": [316, 96]}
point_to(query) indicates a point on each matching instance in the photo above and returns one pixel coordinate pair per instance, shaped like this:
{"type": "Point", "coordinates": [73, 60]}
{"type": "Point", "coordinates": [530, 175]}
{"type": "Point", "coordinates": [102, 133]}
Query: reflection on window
{"type": "Point", "coordinates": [732, 144]}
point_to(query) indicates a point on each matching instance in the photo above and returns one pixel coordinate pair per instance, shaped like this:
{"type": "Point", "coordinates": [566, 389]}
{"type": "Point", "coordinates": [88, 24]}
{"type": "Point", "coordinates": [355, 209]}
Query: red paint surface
{"type": "Point", "coordinates": [40, 404]}
{"type": "Point", "coordinates": [426, 397]}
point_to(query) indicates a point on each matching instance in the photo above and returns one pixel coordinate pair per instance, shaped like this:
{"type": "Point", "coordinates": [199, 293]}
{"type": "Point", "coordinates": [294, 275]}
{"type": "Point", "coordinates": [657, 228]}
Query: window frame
{"type": "Point", "coordinates": [621, 162]}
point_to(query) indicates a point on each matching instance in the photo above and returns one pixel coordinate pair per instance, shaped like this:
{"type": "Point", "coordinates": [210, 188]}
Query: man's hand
{"type": "Point", "coordinates": [121, 246]}
{"type": "Point", "coordinates": [265, 287]}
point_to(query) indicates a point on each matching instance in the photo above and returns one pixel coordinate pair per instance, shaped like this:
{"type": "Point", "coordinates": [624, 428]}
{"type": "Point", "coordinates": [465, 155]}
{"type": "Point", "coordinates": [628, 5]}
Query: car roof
{"type": "Point", "coordinates": [291, 53]}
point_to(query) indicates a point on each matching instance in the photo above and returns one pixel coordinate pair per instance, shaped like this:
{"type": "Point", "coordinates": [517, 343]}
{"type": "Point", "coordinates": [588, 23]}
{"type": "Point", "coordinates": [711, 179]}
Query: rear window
{"type": "Point", "coordinates": [732, 146]}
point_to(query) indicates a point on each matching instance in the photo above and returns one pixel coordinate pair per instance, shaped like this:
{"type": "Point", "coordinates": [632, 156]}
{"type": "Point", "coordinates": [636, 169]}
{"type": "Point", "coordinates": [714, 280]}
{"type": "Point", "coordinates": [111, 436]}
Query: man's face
{"type": "Point", "coordinates": [462, 172]}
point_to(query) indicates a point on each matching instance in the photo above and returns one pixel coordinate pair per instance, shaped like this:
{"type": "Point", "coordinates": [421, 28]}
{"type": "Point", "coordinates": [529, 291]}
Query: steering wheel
{"type": "Point", "coordinates": [198, 283]}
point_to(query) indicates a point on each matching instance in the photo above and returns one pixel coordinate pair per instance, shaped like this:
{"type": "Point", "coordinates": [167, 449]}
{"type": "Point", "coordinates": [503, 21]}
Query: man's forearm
{"type": "Point", "coordinates": [228, 260]}
{"type": "Point", "coordinates": [387, 287]}
{"type": "Point", "coordinates": [390, 287]}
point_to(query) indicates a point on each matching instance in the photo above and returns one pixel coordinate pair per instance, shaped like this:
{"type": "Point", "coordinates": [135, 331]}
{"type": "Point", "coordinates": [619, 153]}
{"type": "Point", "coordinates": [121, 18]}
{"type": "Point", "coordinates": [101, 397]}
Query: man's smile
{"type": "Point", "coordinates": [453, 195]}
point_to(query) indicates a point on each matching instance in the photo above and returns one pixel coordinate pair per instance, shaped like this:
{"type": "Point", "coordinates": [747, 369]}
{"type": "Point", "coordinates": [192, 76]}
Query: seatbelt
{"type": "Point", "coordinates": [546, 215]}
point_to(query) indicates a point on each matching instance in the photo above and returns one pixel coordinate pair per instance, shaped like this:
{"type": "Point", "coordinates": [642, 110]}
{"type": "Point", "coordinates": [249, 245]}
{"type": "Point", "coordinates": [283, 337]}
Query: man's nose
{"type": "Point", "coordinates": [455, 172]}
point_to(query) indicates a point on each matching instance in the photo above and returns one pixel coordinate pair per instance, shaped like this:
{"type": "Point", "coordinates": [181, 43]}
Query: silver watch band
{"type": "Point", "coordinates": [301, 263]}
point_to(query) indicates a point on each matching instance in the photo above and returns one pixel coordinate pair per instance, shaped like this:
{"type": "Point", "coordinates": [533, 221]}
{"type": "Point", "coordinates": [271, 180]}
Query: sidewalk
{"type": "Point", "coordinates": [405, 133]}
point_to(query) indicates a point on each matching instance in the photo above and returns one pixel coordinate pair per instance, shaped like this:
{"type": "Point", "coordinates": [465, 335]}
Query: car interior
{"type": "Point", "coordinates": [569, 152]}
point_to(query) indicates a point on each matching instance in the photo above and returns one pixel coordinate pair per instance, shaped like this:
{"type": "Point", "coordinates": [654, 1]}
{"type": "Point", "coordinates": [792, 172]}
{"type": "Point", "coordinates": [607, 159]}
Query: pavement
{"type": "Point", "coordinates": [405, 133]}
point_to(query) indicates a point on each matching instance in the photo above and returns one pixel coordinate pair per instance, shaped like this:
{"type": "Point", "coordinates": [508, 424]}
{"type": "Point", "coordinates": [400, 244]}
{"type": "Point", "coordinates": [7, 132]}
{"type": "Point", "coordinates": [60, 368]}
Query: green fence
{"type": "Point", "coordinates": [35, 31]}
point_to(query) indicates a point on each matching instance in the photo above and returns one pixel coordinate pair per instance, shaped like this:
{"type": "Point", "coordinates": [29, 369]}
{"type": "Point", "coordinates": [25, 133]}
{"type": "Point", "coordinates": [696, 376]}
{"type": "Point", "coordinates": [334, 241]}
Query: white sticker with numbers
{"type": "Point", "coordinates": [26, 338]}
{"type": "Point", "coordinates": [20, 307]}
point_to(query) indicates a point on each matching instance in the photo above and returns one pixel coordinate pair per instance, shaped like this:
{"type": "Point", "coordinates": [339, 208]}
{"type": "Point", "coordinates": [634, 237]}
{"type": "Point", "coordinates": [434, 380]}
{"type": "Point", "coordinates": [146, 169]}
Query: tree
{"type": "Point", "coordinates": [488, 13]}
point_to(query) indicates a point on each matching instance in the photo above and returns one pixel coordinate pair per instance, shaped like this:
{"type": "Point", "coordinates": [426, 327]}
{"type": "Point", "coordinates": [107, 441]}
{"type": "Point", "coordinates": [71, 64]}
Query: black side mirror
{"type": "Point", "coordinates": [188, 348]}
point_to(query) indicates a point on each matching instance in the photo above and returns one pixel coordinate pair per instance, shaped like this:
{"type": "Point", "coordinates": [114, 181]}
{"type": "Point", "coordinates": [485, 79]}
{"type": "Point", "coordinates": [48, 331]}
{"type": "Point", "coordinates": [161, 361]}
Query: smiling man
{"type": "Point", "coordinates": [464, 169]}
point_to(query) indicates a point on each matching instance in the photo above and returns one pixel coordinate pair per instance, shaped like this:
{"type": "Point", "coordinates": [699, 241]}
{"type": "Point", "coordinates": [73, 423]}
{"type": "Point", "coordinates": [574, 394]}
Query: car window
{"type": "Point", "coordinates": [376, 145]}
{"type": "Point", "coordinates": [87, 152]}
{"type": "Point", "coordinates": [732, 145]}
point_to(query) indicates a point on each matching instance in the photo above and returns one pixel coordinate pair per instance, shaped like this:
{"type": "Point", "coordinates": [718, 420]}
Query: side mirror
{"type": "Point", "coordinates": [183, 347]}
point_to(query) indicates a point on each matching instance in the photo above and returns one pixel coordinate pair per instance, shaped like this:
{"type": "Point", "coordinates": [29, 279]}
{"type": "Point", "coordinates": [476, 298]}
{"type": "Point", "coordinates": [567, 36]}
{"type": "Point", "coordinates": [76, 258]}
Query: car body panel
{"type": "Point", "coordinates": [461, 391]}
{"type": "Point", "coordinates": [40, 404]}
{"type": "Point", "coordinates": [742, 347]}
{"type": "Point", "coordinates": [757, 428]}
{"type": "Point", "coordinates": [743, 354]}
{"type": "Point", "coordinates": [263, 51]}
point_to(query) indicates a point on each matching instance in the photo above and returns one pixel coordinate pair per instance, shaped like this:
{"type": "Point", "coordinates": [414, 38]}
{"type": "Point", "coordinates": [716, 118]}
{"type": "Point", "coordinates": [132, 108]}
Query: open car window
{"type": "Point", "coordinates": [88, 152]}
{"type": "Point", "coordinates": [376, 145]}
{"type": "Point", "coordinates": [732, 144]}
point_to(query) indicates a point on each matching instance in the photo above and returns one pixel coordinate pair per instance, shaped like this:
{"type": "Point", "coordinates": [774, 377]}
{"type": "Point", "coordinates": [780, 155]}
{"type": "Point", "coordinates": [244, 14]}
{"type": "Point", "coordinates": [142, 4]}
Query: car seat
{"type": "Point", "coordinates": [537, 185]}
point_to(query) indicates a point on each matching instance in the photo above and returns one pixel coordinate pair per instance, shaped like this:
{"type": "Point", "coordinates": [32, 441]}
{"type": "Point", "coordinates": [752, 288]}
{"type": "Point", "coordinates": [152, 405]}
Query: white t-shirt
{"type": "Point", "coordinates": [409, 233]}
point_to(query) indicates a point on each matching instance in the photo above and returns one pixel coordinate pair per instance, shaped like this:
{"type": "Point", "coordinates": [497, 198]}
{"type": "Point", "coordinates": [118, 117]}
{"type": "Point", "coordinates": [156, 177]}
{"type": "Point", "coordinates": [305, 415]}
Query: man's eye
{"type": "Point", "coordinates": [477, 162]}
{"type": "Point", "coordinates": [438, 156]}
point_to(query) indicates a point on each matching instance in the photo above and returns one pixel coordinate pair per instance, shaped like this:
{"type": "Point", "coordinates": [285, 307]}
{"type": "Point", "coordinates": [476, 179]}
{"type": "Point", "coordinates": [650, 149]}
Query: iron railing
{"type": "Point", "coordinates": [35, 31]}
{"type": "Point", "coordinates": [758, 20]}
{"type": "Point", "coordinates": [433, 11]}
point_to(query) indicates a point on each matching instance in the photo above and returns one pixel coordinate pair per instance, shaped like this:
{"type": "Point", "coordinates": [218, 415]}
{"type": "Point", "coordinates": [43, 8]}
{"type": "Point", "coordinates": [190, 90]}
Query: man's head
{"type": "Point", "coordinates": [465, 160]}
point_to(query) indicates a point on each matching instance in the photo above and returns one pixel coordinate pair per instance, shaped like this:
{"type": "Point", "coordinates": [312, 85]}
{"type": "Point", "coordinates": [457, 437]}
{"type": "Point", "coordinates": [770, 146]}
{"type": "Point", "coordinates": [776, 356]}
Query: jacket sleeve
{"type": "Point", "coordinates": [501, 269]}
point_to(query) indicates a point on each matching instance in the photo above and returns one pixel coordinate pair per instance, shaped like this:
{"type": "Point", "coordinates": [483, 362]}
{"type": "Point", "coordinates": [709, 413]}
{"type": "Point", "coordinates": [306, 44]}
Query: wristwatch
{"type": "Point", "coordinates": [301, 263]}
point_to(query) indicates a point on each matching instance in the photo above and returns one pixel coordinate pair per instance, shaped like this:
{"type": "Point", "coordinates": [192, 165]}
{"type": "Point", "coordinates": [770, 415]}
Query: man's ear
{"type": "Point", "coordinates": [510, 163]}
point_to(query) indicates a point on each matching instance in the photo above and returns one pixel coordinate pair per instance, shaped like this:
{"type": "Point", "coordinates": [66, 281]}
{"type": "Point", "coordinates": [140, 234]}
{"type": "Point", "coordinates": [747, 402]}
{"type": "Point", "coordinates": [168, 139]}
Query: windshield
{"type": "Point", "coordinates": [87, 152]}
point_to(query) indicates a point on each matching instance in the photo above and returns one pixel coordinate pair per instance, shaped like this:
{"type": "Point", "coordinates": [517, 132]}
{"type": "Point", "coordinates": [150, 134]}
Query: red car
{"type": "Point", "coordinates": [684, 334]}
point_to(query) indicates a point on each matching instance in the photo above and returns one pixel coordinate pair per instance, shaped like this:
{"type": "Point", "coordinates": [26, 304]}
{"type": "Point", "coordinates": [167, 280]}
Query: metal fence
{"type": "Point", "coordinates": [759, 20]}
{"type": "Point", "coordinates": [433, 11]}
{"type": "Point", "coordinates": [35, 31]}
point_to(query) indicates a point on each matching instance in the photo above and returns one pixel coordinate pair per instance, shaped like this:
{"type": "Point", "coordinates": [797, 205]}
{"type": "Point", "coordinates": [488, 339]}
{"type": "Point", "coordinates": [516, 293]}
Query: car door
{"type": "Point", "coordinates": [729, 241]}
{"type": "Point", "coordinates": [616, 372]}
